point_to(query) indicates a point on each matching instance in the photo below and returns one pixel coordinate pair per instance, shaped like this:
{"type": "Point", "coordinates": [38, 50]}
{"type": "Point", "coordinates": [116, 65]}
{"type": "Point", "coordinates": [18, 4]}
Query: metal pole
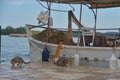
{"type": "Point", "coordinates": [48, 29]}
{"type": "Point", "coordinates": [119, 38]}
{"type": "Point", "coordinates": [0, 44]}
{"type": "Point", "coordinates": [80, 23]}
{"type": "Point", "coordinates": [95, 20]}
{"type": "Point", "coordinates": [95, 25]}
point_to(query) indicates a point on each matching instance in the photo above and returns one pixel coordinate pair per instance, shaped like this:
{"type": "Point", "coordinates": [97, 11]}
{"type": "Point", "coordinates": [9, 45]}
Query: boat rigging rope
{"type": "Point", "coordinates": [56, 9]}
{"type": "Point", "coordinates": [35, 47]}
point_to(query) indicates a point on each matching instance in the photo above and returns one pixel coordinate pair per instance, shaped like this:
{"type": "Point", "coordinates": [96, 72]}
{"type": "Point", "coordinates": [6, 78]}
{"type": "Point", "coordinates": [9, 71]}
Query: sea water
{"type": "Point", "coordinates": [14, 46]}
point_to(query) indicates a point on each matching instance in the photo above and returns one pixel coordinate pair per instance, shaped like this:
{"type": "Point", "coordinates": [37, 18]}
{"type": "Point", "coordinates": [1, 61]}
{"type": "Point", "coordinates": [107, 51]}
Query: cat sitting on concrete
{"type": "Point", "coordinates": [18, 60]}
{"type": "Point", "coordinates": [64, 61]}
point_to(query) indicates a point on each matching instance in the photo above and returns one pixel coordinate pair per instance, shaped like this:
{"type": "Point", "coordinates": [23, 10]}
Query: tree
{"type": "Point", "coordinates": [20, 30]}
{"type": "Point", "coordinates": [9, 30]}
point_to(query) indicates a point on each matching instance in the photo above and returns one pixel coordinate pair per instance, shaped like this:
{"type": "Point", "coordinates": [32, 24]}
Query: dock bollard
{"type": "Point", "coordinates": [113, 64]}
{"type": "Point", "coordinates": [76, 59]}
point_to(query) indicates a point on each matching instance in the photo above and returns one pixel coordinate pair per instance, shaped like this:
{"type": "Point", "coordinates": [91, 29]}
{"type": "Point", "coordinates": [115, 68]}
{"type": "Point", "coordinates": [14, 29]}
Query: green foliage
{"type": "Point", "coordinates": [9, 29]}
{"type": "Point", "coordinates": [20, 30]}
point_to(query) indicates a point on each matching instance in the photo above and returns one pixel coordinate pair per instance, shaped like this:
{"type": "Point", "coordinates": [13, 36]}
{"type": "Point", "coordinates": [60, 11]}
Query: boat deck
{"type": "Point", "coordinates": [48, 71]}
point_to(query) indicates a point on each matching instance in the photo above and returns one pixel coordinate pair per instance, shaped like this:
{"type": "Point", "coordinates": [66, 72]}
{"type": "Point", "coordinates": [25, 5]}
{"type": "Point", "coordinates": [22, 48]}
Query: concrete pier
{"type": "Point", "coordinates": [48, 71]}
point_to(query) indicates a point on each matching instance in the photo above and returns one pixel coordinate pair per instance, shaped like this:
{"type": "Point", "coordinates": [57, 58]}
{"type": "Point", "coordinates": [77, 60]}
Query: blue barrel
{"type": "Point", "coordinates": [45, 54]}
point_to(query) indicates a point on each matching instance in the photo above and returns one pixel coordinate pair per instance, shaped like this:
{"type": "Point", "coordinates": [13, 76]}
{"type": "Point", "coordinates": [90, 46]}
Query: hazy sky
{"type": "Point", "coordinates": [17, 13]}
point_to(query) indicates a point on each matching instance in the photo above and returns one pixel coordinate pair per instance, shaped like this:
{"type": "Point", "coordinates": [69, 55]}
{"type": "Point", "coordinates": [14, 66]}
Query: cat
{"type": "Point", "coordinates": [18, 60]}
{"type": "Point", "coordinates": [64, 61]}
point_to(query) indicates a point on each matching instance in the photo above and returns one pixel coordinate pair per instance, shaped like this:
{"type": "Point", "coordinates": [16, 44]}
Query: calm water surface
{"type": "Point", "coordinates": [14, 46]}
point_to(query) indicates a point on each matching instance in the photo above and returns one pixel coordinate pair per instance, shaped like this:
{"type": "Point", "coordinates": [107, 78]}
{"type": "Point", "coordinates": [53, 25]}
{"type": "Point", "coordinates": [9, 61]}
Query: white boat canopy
{"type": "Point", "coordinates": [92, 3]}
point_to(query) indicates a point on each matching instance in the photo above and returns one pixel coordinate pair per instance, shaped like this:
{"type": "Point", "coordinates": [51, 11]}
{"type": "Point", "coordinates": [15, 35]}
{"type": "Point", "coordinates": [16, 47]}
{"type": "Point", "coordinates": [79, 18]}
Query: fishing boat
{"type": "Point", "coordinates": [90, 51]}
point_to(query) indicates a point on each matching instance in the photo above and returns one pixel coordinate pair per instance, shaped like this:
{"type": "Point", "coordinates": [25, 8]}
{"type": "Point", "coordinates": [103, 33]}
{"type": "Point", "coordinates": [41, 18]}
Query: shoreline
{"type": "Point", "coordinates": [17, 35]}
